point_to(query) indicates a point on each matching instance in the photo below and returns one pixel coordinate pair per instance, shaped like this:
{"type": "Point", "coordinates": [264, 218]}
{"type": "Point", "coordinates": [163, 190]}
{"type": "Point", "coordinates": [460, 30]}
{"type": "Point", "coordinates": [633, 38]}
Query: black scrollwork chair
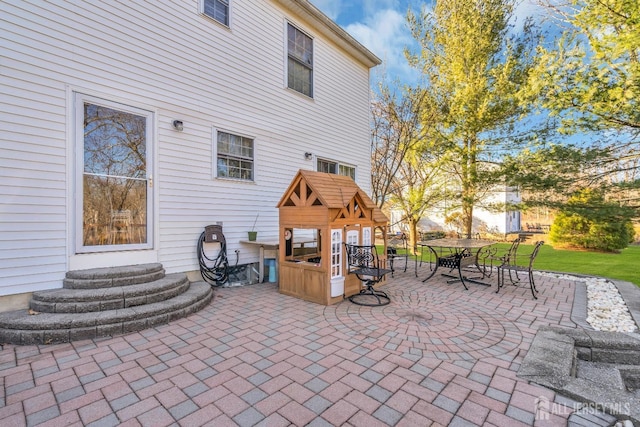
{"type": "Point", "coordinates": [397, 249]}
{"type": "Point", "coordinates": [363, 261]}
{"type": "Point", "coordinates": [511, 266]}
{"type": "Point", "coordinates": [491, 258]}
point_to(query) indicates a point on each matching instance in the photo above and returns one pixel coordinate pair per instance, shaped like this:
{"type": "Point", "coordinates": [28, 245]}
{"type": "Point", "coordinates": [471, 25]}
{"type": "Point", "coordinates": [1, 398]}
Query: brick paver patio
{"type": "Point", "coordinates": [437, 355]}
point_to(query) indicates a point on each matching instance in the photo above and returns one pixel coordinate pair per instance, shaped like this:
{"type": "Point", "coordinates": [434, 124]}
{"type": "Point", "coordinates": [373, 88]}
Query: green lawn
{"type": "Point", "coordinates": [623, 266]}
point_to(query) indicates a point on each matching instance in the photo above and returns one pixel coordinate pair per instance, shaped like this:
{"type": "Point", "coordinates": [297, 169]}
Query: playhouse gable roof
{"type": "Point", "coordinates": [310, 188]}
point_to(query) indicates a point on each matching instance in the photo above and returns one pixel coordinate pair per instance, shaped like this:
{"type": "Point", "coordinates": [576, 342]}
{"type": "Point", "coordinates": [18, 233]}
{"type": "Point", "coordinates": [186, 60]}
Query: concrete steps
{"type": "Point", "coordinates": [104, 302]}
{"type": "Point", "coordinates": [101, 299]}
{"type": "Point", "coordinates": [97, 278]}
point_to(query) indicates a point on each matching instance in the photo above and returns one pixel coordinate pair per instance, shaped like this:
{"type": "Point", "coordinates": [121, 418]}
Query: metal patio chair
{"type": "Point", "coordinates": [397, 249]}
{"type": "Point", "coordinates": [363, 261]}
{"type": "Point", "coordinates": [511, 266]}
{"type": "Point", "coordinates": [492, 259]}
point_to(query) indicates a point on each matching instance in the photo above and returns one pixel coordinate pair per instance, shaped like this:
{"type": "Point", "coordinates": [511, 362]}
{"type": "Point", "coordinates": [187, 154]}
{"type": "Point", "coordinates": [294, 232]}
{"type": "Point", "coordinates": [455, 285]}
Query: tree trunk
{"type": "Point", "coordinates": [467, 217]}
{"type": "Point", "coordinates": [469, 183]}
{"type": "Point", "coordinates": [413, 234]}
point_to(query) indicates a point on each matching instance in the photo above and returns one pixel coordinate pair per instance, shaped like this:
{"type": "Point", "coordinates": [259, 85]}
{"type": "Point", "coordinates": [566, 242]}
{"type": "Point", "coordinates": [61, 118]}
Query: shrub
{"type": "Point", "coordinates": [632, 232]}
{"type": "Point", "coordinates": [589, 222]}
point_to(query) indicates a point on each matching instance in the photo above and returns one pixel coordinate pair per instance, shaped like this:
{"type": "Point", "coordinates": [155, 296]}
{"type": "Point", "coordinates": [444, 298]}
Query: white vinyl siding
{"type": "Point", "coordinates": [169, 60]}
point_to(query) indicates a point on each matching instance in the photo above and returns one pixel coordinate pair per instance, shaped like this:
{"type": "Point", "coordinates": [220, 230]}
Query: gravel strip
{"type": "Point", "coordinates": [606, 309]}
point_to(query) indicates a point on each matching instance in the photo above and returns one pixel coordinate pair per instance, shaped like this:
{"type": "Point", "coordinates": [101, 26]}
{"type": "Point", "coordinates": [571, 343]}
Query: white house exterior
{"type": "Point", "coordinates": [484, 220]}
{"type": "Point", "coordinates": [216, 108]}
{"type": "Point", "coordinates": [506, 221]}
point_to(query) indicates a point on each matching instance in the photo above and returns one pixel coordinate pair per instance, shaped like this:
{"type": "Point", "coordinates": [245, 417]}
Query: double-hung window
{"type": "Point", "coordinates": [217, 9]}
{"type": "Point", "coordinates": [330, 166]}
{"type": "Point", "coordinates": [300, 61]}
{"type": "Point", "coordinates": [234, 156]}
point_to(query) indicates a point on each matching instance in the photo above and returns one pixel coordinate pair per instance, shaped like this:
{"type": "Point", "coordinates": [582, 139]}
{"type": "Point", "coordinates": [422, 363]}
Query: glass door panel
{"type": "Point", "coordinates": [115, 207]}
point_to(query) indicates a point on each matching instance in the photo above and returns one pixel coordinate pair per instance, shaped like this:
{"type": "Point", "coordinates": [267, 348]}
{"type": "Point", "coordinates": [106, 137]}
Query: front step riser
{"type": "Point", "coordinates": [104, 305]}
{"type": "Point", "coordinates": [111, 282]}
{"type": "Point", "coordinates": [115, 272]}
{"type": "Point", "coordinates": [37, 337]}
{"type": "Point", "coordinates": [91, 295]}
{"type": "Point", "coordinates": [51, 297]}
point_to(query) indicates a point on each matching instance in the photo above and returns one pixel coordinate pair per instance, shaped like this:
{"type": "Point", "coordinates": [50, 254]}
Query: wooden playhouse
{"type": "Point", "coordinates": [318, 212]}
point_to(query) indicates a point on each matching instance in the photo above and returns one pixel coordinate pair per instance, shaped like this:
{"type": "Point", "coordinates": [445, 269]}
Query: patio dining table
{"type": "Point", "coordinates": [462, 253]}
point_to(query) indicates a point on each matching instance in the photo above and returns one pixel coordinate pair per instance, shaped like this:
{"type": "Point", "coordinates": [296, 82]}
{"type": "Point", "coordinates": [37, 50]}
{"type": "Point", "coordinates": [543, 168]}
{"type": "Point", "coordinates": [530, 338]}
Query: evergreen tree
{"type": "Point", "coordinates": [474, 68]}
{"type": "Point", "coordinates": [589, 79]}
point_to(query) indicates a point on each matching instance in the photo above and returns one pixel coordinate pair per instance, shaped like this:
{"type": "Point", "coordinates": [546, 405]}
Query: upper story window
{"type": "Point", "coordinates": [234, 156]}
{"type": "Point", "coordinates": [300, 61]}
{"type": "Point", "coordinates": [330, 166]}
{"type": "Point", "coordinates": [217, 9]}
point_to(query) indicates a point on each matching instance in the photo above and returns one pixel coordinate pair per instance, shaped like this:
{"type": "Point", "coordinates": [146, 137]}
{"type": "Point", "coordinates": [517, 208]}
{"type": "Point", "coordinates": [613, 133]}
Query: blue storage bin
{"type": "Point", "coordinates": [271, 264]}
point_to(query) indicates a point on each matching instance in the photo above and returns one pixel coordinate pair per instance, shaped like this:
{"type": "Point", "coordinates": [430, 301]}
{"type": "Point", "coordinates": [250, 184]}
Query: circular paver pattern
{"type": "Point", "coordinates": [428, 325]}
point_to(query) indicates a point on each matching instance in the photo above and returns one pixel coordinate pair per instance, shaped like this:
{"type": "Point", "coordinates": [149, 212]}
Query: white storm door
{"type": "Point", "coordinates": [113, 186]}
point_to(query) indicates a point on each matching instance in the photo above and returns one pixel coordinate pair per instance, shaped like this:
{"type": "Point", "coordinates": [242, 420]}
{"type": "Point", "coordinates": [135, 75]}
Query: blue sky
{"type": "Point", "coordinates": [380, 25]}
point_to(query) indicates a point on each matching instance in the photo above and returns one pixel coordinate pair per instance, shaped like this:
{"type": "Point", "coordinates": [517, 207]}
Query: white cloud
{"type": "Point", "coordinates": [331, 8]}
{"type": "Point", "coordinates": [386, 34]}
{"type": "Point", "coordinates": [380, 25]}
{"type": "Point", "coordinates": [371, 7]}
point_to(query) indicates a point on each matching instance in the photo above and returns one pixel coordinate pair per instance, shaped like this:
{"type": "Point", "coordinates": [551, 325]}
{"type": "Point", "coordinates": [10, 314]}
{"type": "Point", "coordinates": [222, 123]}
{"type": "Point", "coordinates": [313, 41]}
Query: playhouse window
{"type": "Point", "coordinates": [336, 253]}
{"type": "Point", "coordinates": [303, 245]}
{"type": "Point", "coordinates": [366, 236]}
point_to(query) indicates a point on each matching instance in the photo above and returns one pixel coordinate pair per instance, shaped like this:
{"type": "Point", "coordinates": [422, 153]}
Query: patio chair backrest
{"type": "Point", "coordinates": [511, 267]}
{"type": "Point", "coordinates": [534, 254]}
{"type": "Point", "coordinates": [396, 242]}
{"type": "Point", "coordinates": [364, 256]}
{"type": "Point", "coordinates": [397, 248]}
{"type": "Point", "coordinates": [511, 256]}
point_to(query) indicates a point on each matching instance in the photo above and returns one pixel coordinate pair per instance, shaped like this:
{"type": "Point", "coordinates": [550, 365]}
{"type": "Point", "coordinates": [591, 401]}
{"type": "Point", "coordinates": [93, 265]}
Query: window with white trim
{"type": "Point", "coordinates": [330, 166]}
{"type": "Point", "coordinates": [336, 253]}
{"type": "Point", "coordinates": [113, 176]}
{"type": "Point", "coordinates": [234, 156]}
{"type": "Point", "coordinates": [299, 61]}
{"type": "Point", "coordinates": [366, 236]}
{"type": "Point", "coordinates": [217, 9]}
{"type": "Point", "coordinates": [353, 237]}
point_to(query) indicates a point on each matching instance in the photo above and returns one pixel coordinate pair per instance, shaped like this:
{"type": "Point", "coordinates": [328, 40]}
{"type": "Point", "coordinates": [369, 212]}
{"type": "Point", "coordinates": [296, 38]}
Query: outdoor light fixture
{"type": "Point", "coordinates": [178, 125]}
{"type": "Point", "coordinates": [308, 155]}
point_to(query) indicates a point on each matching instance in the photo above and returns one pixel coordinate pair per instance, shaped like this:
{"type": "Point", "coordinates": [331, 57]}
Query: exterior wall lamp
{"type": "Point", "coordinates": [308, 156]}
{"type": "Point", "coordinates": [178, 125]}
